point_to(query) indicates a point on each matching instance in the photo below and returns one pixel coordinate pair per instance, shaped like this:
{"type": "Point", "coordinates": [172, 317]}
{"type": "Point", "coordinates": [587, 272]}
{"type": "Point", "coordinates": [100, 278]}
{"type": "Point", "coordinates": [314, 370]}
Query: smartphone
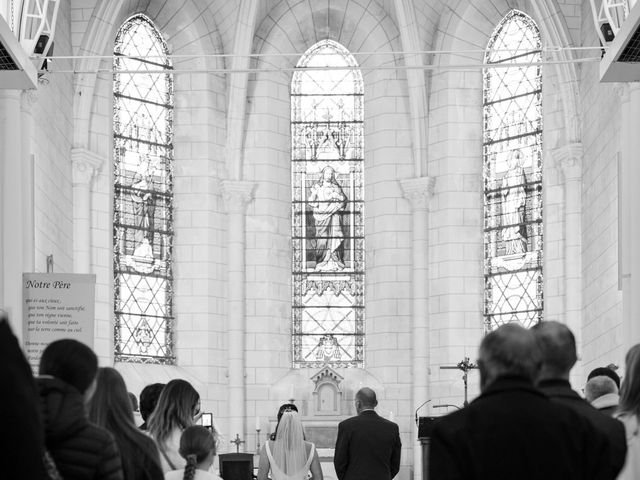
{"type": "Point", "coordinates": [207, 419]}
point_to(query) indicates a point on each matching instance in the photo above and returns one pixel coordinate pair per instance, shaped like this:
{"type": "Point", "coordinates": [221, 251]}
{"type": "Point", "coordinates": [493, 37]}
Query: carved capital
{"type": "Point", "coordinates": [237, 194]}
{"type": "Point", "coordinates": [623, 90]}
{"type": "Point", "coordinates": [27, 99]}
{"type": "Point", "coordinates": [418, 191]}
{"type": "Point", "coordinates": [568, 160]}
{"type": "Point", "coordinates": [85, 164]}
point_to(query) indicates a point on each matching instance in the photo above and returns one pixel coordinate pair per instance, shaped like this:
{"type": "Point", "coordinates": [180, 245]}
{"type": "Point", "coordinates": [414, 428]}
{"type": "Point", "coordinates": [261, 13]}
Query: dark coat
{"type": "Point", "coordinates": [80, 449]}
{"type": "Point", "coordinates": [23, 443]}
{"type": "Point", "coordinates": [367, 448]}
{"type": "Point", "coordinates": [560, 391]}
{"type": "Point", "coordinates": [512, 431]}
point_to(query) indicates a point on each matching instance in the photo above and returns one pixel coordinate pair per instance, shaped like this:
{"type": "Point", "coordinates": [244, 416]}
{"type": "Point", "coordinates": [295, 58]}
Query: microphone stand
{"type": "Point", "coordinates": [416, 414]}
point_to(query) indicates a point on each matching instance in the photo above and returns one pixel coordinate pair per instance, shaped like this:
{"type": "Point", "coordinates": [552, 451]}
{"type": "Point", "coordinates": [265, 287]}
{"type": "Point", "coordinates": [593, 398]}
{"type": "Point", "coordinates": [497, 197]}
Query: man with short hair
{"type": "Point", "coordinates": [80, 449]}
{"type": "Point", "coordinates": [558, 348]}
{"type": "Point", "coordinates": [512, 430]}
{"type": "Point", "coordinates": [368, 446]}
{"type": "Point", "coordinates": [605, 372]}
{"type": "Point", "coordinates": [602, 393]}
{"type": "Point", "coordinates": [148, 400]}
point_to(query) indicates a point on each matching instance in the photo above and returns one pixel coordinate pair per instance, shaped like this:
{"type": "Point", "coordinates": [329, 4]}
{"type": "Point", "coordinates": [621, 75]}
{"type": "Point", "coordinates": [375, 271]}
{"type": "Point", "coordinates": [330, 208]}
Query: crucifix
{"type": "Point", "coordinates": [237, 441]}
{"type": "Point", "coordinates": [464, 365]}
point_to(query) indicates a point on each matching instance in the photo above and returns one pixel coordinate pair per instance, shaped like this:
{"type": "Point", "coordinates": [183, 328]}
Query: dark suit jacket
{"type": "Point", "coordinates": [512, 431]}
{"type": "Point", "coordinates": [560, 391]}
{"type": "Point", "coordinates": [367, 448]}
{"type": "Point", "coordinates": [19, 413]}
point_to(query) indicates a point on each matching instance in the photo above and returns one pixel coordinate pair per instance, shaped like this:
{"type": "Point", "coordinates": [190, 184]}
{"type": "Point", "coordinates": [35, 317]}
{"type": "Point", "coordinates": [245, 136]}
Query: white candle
{"type": "Point", "coordinates": [291, 397]}
{"type": "Point", "coordinates": [391, 417]}
{"type": "Point", "coordinates": [257, 423]}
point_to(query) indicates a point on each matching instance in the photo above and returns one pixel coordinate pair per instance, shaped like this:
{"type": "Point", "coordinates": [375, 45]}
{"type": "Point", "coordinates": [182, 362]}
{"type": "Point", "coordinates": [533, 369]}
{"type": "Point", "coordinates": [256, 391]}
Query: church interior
{"type": "Point", "coordinates": [283, 201]}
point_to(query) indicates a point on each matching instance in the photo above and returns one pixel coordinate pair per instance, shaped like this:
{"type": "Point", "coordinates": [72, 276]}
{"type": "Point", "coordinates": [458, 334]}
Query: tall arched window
{"type": "Point", "coordinates": [143, 194]}
{"type": "Point", "coordinates": [327, 208]}
{"type": "Point", "coordinates": [513, 174]}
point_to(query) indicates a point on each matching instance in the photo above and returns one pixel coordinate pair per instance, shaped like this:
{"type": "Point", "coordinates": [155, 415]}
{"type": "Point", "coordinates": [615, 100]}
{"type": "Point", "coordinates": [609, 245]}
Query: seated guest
{"type": "Point", "coordinates": [178, 408]}
{"type": "Point", "coordinates": [19, 413]}
{"type": "Point", "coordinates": [512, 431]}
{"type": "Point", "coordinates": [198, 448]}
{"type": "Point", "coordinates": [110, 408]}
{"type": "Point", "coordinates": [80, 449]}
{"type": "Point", "coordinates": [629, 413]}
{"type": "Point", "coordinates": [602, 393]}
{"type": "Point", "coordinates": [558, 348]}
{"type": "Point", "coordinates": [148, 400]}
{"type": "Point", "coordinates": [134, 401]}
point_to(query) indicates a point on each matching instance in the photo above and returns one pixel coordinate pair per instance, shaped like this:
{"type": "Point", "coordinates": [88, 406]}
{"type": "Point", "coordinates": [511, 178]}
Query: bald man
{"type": "Point", "coordinates": [368, 446]}
{"type": "Point", "coordinates": [513, 431]}
{"type": "Point", "coordinates": [558, 348]}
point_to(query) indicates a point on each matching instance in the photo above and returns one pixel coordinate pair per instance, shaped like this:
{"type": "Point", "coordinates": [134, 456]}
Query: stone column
{"type": "Point", "coordinates": [29, 97]}
{"type": "Point", "coordinates": [237, 195]}
{"type": "Point", "coordinates": [629, 219]}
{"type": "Point", "coordinates": [568, 160]}
{"type": "Point", "coordinates": [11, 246]}
{"type": "Point", "coordinates": [85, 164]}
{"type": "Point", "coordinates": [419, 192]}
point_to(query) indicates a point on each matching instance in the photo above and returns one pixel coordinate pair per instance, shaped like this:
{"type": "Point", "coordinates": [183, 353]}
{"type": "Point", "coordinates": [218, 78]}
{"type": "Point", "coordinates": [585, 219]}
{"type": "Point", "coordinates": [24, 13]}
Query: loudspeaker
{"type": "Point", "coordinates": [607, 32]}
{"type": "Point", "coordinates": [236, 466]}
{"type": "Point", "coordinates": [425, 426]}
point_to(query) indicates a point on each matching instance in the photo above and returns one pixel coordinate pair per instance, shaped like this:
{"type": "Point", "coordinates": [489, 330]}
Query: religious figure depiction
{"type": "Point", "coordinates": [328, 201]}
{"type": "Point", "coordinates": [514, 205]}
{"type": "Point", "coordinates": [143, 202]}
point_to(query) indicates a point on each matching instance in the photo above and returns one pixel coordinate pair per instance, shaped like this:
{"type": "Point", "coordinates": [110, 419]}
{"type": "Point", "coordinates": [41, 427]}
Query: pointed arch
{"type": "Point", "coordinates": [512, 153]}
{"type": "Point", "coordinates": [327, 175]}
{"type": "Point", "coordinates": [143, 194]}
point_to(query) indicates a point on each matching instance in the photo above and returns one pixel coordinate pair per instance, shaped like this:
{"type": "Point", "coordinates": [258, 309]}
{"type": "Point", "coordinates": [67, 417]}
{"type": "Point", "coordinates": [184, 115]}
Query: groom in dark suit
{"type": "Point", "coordinates": [368, 446]}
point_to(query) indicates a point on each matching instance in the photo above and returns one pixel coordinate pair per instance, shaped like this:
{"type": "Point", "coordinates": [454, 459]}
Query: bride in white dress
{"type": "Point", "coordinates": [289, 456]}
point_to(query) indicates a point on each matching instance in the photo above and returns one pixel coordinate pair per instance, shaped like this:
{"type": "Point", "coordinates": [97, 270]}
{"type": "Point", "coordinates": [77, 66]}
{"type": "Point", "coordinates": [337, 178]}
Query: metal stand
{"type": "Point", "coordinates": [465, 365]}
{"type": "Point", "coordinates": [257, 440]}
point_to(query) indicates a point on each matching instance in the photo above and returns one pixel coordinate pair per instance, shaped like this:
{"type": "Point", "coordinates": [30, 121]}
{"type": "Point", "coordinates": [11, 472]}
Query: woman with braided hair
{"type": "Point", "coordinates": [198, 448]}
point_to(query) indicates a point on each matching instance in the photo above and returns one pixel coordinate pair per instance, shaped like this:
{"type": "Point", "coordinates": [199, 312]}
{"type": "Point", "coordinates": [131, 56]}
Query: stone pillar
{"type": "Point", "coordinates": [85, 164]}
{"type": "Point", "coordinates": [29, 97]}
{"type": "Point", "coordinates": [237, 194]}
{"type": "Point", "coordinates": [568, 160]}
{"type": "Point", "coordinates": [629, 219]}
{"type": "Point", "coordinates": [419, 192]}
{"type": "Point", "coordinates": [11, 246]}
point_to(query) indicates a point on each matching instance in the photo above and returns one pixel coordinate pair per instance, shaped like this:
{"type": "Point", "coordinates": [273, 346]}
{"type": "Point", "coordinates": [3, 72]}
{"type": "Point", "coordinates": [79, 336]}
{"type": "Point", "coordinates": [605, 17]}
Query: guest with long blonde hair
{"type": "Point", "coordinates": [178, 408]}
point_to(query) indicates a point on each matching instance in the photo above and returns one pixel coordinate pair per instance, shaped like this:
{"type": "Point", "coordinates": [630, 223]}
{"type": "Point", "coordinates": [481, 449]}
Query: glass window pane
{"type": "Point", "coordinates": [513, 174]}
{"type": "Point", "coordinates": [143, 194]}
{"type": "Point", "coordinates": [327, 209]}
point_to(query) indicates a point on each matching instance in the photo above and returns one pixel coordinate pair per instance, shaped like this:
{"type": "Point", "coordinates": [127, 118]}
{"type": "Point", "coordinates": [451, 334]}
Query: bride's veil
{"type": "Point", "coordinates": [289, 451]}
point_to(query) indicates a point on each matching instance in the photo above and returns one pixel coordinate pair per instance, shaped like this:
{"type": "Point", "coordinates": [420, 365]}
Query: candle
{"type": "Point", "coordinates": [257, 423]}
{"type": "Point", "coordinates": [291, 397]}
{"type": "Point", "coordinates": [391, 417]}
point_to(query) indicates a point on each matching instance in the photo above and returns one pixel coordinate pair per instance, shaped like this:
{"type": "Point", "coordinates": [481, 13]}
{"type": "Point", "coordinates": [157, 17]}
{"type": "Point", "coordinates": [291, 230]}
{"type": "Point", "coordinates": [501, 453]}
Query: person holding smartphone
{"type": "Point", "coordinates": [178, 408]}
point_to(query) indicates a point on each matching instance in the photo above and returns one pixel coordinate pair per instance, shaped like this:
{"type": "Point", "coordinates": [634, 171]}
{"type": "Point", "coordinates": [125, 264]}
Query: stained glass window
{"type": "Point", "coordinates": [327, 209]}
{"type": "Point", "coordinates": [513, 174]}
{"type": "Point", "coordinates": [143, 194]}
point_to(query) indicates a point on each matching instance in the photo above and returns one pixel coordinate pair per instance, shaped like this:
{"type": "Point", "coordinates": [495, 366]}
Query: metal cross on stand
{"type": "Point", "coordinates": [465, 365]}
{"type": "Point", "coordinates": [237, 441]}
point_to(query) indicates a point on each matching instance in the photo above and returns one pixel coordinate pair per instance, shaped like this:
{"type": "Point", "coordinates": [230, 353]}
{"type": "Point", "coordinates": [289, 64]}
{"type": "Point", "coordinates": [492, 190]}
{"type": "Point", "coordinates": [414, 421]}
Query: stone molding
{"type": "Point", "coordinates": [418, 191]}
{"type": "Point", "coordinates": [28, 99]}
{"type": "Point", "coordinates": [237, 194]}
{"type": "Point", "coordinates": [568, 160]}
{"type": "Point", "coordinates": [85, 164]}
